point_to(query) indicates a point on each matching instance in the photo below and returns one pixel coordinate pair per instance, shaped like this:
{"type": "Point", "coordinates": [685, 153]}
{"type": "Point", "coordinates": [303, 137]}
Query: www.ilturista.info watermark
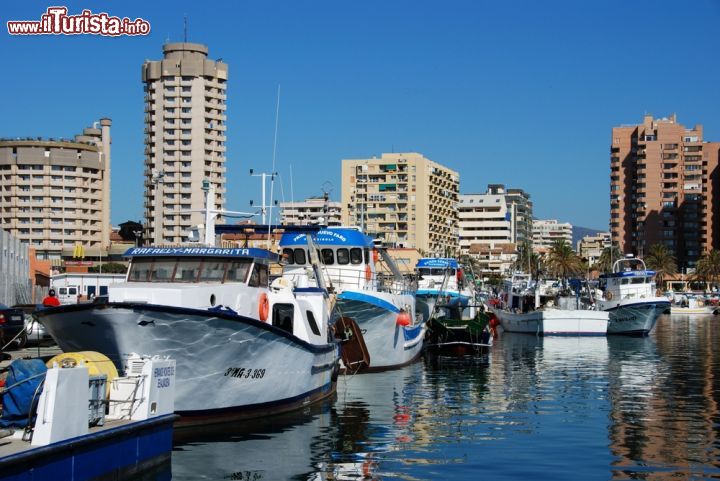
{"type": "Point", "coordinates": [56, 21]}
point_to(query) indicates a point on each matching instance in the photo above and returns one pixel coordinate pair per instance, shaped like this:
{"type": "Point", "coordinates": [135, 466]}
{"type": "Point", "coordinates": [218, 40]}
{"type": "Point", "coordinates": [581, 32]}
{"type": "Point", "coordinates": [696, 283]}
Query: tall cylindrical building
{"type": "Point", "coordinates": [185, 102]}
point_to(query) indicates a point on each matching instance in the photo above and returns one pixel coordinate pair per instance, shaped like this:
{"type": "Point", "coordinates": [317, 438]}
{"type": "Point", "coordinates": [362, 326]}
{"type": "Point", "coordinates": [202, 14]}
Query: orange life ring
{"type": "Point", "coordinates": [263, 307]}
{"type": "Point", "coordinates": [368, 272]}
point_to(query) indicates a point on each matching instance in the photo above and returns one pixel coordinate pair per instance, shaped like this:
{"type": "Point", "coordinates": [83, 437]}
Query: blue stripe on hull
{"type": "Point", "coordinates": [375, 301]}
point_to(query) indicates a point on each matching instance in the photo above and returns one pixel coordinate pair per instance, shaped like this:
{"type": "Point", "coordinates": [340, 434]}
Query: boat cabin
{"type": "Point", "coordinates": [629, 279]}
{"type": "Point", "coordinates": [439, 275]}
{"type": "Point", "coordinates": [347, 255]}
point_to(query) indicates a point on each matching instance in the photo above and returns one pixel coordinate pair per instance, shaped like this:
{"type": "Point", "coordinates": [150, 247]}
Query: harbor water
{"type": "Point", "coordinates": [554, 408]}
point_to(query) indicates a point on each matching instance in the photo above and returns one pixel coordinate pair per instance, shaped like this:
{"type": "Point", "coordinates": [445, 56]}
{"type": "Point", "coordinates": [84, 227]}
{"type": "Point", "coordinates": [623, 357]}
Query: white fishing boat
{"type": "Point", "coordinates": [244, 347]}
{"type": "Point", "coordinates": [628, 294]}
{"type": "Point", "coordinates": [382, 304]}
{"type": "Point", "coordinates": [694, 306]}
{"type": "Point", "coordinates": [524, 308]}
{"type": "Point", "coordinates": [443, 279]}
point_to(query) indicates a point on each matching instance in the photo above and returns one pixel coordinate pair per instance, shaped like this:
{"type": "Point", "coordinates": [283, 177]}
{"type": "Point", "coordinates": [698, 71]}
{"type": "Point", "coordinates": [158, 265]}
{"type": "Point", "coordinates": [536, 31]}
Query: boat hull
{"type": "Point", "coordinates": [695, 311]}
{"type": "Point", "coordinates": [389, 344]}
{"type": "Point", "coordinates": [228, 367]}
{"type": "Point", "coordinates": [632, 318]}
{"type": "Point", "coordinates": [555, 322]}
{"type": "Point", "coordinates": [453, 338]}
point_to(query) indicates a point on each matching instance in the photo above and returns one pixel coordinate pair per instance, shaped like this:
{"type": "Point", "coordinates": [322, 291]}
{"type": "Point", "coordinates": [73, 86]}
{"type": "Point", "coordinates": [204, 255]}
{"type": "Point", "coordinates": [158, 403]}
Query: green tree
{"type": "Point", "coordinates": [609, 255]}
{"type": "Point", "coordinates": [708, 267]}
{"type": "Point", "coordinates": [562, 261]}
{"type": "Point", "coordinates": [528, 261]}
{"type": "Point", "coordinates": [662, 262]}
{"type": "Point", "coordinates": [110, 268]}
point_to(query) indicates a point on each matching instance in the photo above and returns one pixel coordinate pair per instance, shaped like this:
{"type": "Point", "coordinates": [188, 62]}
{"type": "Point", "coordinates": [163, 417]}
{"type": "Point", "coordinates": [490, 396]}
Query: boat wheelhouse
{"type": "Point", "coordinates": [380, 300]}
{"type": "Point", "coordinates": [628, 293]}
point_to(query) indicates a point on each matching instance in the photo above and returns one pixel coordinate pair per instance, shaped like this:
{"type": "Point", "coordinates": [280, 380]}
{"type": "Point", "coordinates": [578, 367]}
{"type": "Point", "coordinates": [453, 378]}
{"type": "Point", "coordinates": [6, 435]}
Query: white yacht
{"type": "Point", "coordinates": [628, 294]}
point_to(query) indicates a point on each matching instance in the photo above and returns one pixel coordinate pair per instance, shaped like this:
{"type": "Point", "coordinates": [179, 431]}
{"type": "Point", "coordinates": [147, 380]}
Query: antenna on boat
{"type": "Point", "coordinates": [274, 155]}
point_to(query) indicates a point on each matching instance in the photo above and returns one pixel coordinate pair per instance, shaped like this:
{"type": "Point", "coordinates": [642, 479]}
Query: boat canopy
{"type": "Point", "coordinates": [437, 262]}
{"type": "Point", "coordinates": [232, 252]}
{"type": "Point", "coordinates": [333, 236]}
{"type": "Point", "coordinates": [628, 274]}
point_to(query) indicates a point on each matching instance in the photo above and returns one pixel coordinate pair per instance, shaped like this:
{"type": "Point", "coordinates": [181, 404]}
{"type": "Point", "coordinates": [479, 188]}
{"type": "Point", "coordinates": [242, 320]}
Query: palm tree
{"type": "Point", "coordinates": [562, 261]}
{"type": "Point", "coordinates": [609, 255]}
{"type": "Point", "coordinates": [528, 261]}
{"type": "Point", "coordinates": [661, 261]}
{"type": "Point", "coordinates": [708, 267]}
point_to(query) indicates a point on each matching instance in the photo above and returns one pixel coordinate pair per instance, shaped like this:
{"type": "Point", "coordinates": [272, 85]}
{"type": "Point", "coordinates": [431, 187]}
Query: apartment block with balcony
{"type": "Point", "coordinates": [185, 134]}
{"type": "Point", "coordinates": [403, 199]}
{"type": "Point", "coordinates": [591, 247]}
{"type": "Point", "coordinates": [311, 211]}
{"type": "Point", "coordinates": [55, 194]}
{"type": "Point", "coordinates": [493, 224]}
{"type": "Point", "coordinates": [663, 186]}
{"type": "Point", "coordinates": [547, 232]}
{"type": "Point", "coordinates": [499, 216]}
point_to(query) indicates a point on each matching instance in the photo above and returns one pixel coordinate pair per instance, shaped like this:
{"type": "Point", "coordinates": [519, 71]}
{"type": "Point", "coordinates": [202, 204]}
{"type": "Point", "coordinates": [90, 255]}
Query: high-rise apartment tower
{"type": "Point", "coordinates": [663, 186]}
{"type": "Point", "coordinates": [185, 101]}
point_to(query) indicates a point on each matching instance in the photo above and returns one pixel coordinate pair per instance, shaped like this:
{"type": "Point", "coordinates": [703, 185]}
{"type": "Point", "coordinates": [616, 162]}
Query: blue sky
{"type": "Point", "coordinates": [517, 92]}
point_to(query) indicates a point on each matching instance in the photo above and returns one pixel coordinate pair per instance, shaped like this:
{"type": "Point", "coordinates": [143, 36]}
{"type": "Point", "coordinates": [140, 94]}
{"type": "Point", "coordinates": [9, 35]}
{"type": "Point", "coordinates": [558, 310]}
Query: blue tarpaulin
{"type": "Point", "coordinates": [23, 379]}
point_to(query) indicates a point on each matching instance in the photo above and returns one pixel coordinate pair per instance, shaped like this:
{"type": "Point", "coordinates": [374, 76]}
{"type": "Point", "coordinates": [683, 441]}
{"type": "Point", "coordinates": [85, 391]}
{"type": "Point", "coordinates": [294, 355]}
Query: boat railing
{"type": "Point", "coordinates": [342, 279]}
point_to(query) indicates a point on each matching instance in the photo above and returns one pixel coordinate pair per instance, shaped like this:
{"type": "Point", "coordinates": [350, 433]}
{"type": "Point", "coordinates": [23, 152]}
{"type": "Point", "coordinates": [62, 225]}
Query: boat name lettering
{"type": "Point", "coordinates": [189, 251]}
{"type": "Point", "coordinates": [323, 235]}
{"type": "Point", "coordinates": [245, 373]}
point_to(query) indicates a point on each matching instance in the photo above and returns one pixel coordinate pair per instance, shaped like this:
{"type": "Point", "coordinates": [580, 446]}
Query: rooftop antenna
{"type": "Point", "coordinates": [185, 28]}
{"type": "Point", "coordinates": [326, 189]}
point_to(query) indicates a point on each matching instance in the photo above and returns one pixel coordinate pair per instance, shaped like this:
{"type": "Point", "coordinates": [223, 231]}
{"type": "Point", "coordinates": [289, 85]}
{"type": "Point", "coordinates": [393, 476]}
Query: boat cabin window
{"type": "Point", "coordinates": [259, 276]}
{"type": "Point", "coordinates": [187, 270]}
{"type": "Point", "coordinates": [212, 271]}
{"type": "Point", "coordinates": [162, 270]}
{"type": "Point", "coordinates": [343, 256]}
{"type": "Point", "coordinates": [435, 271]}
{"type": "Point", "coordinates": [300, 257]}
{"type": "Point", "coordinates": [624, 281]}
{"type": "Point", "coordinates": [313, 324]}
{"type": "Point", "coordinates": [356, 255]}
{"type": "Point", "coordinates": [238, 270]}
{"type": "Point", "coordinates": [294, 256]}
{"type": "Point", "coordinates": [327, 257]}
{"type": "Point", "coordinates": [282, 316]}
{"type": "Point", "coordinates": [638, 280]}
{"type": "Point", "coordinates": [140, 270]}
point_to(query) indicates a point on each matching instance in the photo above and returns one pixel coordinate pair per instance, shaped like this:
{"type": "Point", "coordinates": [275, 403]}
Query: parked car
{"type": "Point", "coordinates": [12, 328]}
{"type": "Point", "coordinates": [34, 329]}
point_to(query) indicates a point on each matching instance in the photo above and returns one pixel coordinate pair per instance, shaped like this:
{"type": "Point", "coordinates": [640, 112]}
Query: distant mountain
{"type": "Point", "coordinates": [580, 232]}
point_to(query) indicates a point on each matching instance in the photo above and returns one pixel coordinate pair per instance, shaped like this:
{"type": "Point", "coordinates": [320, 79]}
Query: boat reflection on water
{"type": "Point", "coordinates": [338, 439]}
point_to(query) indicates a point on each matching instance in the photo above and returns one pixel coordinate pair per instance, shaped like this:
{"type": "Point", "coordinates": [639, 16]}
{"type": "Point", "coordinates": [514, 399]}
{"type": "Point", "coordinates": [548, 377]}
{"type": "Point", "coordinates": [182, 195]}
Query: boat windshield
{"type": "Point", "coordinates": [188, 269]}
{"type": "Point", "coordinates": [436, 271]}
